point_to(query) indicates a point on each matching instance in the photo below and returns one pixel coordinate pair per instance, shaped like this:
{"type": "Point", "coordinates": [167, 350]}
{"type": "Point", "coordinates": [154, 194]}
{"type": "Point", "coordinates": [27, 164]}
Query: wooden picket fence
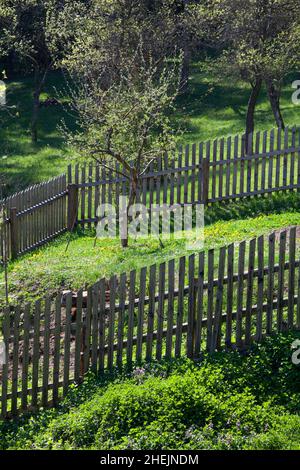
{"type": "Point", "coordinates": [211, 172]}
{"type": "Point", "coordinates": [223, 299]}
{"type": "Point", "coordinates": [208, 173]}
{"type": "Point", "coordinates": [34, 217]}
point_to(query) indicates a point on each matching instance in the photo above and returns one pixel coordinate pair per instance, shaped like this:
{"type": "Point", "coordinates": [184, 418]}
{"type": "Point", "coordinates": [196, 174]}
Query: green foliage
{"type": "Point", "coordinates": [37, 34]}
{"type": "Point", "coordinates": [226, 401]}
{"type": "Point", "coordinates": [110, 30]}
{"type": "Point", "coordinates": [259, 42]}
{"type": "Point", "coordinates": [128, 121]}
{"type": "Point", "coordinates": [21, 162]}
{"type": "Point", "coordinates": [269, 50]}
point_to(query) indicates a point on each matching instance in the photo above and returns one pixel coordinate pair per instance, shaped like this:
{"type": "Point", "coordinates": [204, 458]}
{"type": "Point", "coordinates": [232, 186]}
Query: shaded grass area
{"type": "Point", "coordinates": [217, 107]}
{"type": "Point", "coordinates": [225, 401]}
{"type": "Point", "coordinates": [210, 109]}
{"type": "Point", "coordinates": [84, 263]}
{"type": "Point", "coordinates": [23, 163]}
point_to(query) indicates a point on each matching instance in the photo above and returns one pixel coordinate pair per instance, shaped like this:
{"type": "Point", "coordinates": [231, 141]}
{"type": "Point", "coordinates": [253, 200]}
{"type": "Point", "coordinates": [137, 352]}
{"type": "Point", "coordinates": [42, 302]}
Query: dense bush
{"type": "Point", "coordinates": [226, 401]}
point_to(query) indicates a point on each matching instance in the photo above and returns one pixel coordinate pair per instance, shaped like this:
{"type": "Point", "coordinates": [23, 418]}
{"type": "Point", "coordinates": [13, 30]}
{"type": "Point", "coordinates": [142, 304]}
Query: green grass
{"type": "Point", "coordinates": [21, 162]}
{"type": "Point", "coordinates": [51, 267]}
{"type": "Point", "coordinates": [228, 401]}
{"type": "Point", "coordinates": [210, 109]}
{"type": "Point", "coordinates": [217, 108]}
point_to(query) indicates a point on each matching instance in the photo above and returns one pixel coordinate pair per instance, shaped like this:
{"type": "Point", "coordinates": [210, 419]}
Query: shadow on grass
{"type": "Point", "coordinates": [22, 162]}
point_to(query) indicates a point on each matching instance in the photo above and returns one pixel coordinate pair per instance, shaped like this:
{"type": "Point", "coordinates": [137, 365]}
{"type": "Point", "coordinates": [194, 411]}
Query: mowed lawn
{"type": "Point", "coordinates": [84, 263]}
{"type": "Point", "coordinates": [212, 108]}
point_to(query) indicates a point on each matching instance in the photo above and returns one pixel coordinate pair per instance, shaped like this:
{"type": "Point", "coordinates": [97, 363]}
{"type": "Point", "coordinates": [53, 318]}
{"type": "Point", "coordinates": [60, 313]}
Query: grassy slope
{"type": "Point", "coordinates": [51, 266]}
{"type": "Point", "coordinates": [227, 401]}
{"type": "Point", "coordinates": [211, 109]}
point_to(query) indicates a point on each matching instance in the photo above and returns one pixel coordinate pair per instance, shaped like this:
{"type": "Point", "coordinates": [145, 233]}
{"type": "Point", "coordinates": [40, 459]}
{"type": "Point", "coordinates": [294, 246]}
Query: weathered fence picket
{"type": "Point", "coordinates": [200, 303]}
{"type": "Point", "coordinates": [209, 173]}
{"type": "Point", "coordinates": [34, 217]}
{"type": "Point", "coordinates": [222, 171]}
{"type": "Point", "coordinates": [182, 306]}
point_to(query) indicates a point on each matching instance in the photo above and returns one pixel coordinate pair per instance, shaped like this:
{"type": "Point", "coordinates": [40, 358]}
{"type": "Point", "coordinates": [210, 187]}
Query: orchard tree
{"type": "Point", "coordinates": [261, 45]}
{"type": "Point", "coordinates": [113, 28]}
{"type": "Point", "coordinates": [127, 122]}
{"type": "Point", "coordinates": [282, 56]}
{"type": "Point", "coordinates": [37, 32]}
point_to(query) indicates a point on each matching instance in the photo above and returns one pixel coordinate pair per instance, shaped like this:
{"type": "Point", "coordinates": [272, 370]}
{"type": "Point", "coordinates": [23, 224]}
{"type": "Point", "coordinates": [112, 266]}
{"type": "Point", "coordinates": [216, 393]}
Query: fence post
{"type": "Point", "coordinates": [205, 180]}
{"type": "Point", "coordinates": [72, 206]}
{"type": "Point", "coordinates": [14, 236]}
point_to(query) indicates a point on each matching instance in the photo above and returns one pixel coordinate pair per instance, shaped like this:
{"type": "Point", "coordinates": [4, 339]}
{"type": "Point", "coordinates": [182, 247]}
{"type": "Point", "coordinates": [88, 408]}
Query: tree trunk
{"type": "Point", "coordinates": [132, 199]}
{"type": "Point", "coordinates": [185, 72]}
{"type": "Point", "coordinates": [274, 97]}
{"type": "Point", "coordinates": [39, 82]}
{"type": "Point", "coordinates": [251, 109]}
{"type": "Point", "coordinates": [35, 115]}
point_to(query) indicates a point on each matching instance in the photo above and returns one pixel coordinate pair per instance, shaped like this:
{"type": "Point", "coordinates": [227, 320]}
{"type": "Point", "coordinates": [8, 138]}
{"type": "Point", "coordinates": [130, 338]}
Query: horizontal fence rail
{"type": "Point", "coordinates": [211, 172]}
{"type": "Point", "coordinates": [223, 299]}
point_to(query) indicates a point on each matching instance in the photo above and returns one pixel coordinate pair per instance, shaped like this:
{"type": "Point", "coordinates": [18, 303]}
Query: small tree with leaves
{"type": "Point", "coordinates": [260, 41]}
{"type": "Point", "coordinates": [127, 122]}
{"type": "Point", "coordinates": [111, 29]}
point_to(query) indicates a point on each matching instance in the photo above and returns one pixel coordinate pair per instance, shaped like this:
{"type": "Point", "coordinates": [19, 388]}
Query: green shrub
{"type": "Point", "coordinates": [226, 401]}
